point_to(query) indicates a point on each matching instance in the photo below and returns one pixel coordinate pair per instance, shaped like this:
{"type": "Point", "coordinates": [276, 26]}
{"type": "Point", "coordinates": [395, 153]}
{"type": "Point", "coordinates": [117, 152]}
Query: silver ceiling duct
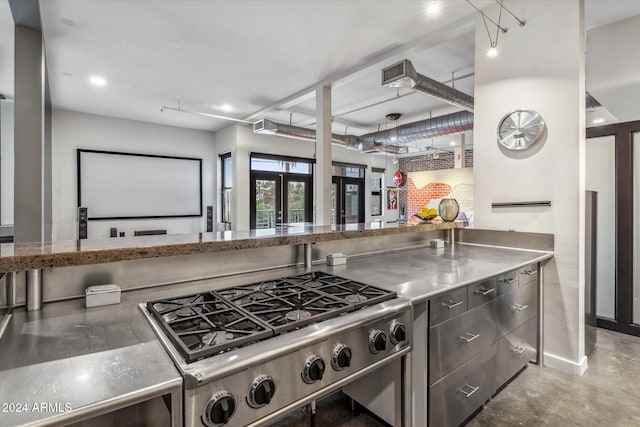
{"type": "Point", "coordinates": [449, 124]}
{"type": "Point", "coordinates": [269, 127]}
{"type": "Point", "coordinates": [388, 141]}
{"type": "Point", "coordinates": [403, 74]}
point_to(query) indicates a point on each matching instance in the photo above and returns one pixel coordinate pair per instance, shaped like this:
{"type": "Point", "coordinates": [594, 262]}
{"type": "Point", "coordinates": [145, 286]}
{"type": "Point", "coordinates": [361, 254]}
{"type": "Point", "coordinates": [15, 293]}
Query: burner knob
{"type": "Point", "coordinates": [220, 408]}
{"type": "Point", "coordinates": [261, 391]}
{"type": "Point", "coordinates": [341, 357]}
{"type": "Point", "coordinates": [377, 341]}
{"type": "Point", "coordinates": [398, 333]}
{"type": "Point", "coordinates": [313, 369]}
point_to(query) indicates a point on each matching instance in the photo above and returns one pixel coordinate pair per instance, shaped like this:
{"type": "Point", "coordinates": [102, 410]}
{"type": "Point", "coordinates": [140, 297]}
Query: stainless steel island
{"type": "Point", "coordinates": [82, 362]}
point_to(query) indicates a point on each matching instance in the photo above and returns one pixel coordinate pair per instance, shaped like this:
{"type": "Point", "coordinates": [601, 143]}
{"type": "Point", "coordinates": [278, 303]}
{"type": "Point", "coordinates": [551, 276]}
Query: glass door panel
{"type": "Point", "coordinates": [600, 164]}
{"type": "Point", "coordinates": [296, 201]}
{"type": "Point", "coordinates": [267, 211]}
{"type": "Point", "coordinates": [352, 206]}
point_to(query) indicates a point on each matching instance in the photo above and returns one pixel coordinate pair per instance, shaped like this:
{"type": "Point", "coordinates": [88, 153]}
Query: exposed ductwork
{"type": "Point", "coordinates": [403, 74]}
{"type": "Point", "coordinates": [449, 124]}
{"type": "Point", "coordinates": [387, 141]}
{"type": "Point", "coordinates": [269, 127]}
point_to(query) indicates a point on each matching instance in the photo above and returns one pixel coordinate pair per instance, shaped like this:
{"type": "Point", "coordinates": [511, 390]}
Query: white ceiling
{"type": "Point", "coordinates": [253, 54]}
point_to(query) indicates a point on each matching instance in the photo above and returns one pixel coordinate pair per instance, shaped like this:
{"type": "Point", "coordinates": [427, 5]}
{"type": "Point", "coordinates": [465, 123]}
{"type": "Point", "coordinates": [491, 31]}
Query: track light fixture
{"type": "Point", "coordinates": [493, 41]}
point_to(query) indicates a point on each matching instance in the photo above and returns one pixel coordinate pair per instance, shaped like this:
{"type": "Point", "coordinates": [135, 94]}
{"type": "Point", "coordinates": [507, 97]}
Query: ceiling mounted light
{"type": "Point", "coordinates": [598, 121]}
{"type": "Point", "coordinates": [452, 143]}
{"type": "Point", "coordinates": [493, 49]}
{"type": "Point", "coordinates": [433, 7]}
{"type": "Point", "coordinates": [227, 108]}
{"type": "Point", "coordinates": [98, 81]}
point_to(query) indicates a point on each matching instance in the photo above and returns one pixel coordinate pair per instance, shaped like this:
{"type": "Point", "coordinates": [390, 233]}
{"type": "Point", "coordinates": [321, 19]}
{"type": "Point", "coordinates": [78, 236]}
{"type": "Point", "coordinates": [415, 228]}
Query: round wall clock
{"type": "Point", "coordinates": [520, 129]}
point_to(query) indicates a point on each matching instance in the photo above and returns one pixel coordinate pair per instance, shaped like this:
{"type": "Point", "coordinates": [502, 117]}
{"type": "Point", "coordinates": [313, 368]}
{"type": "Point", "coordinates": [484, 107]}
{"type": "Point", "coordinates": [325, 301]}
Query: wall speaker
{"type": "Point", "coordinates": [83, 223]}
{"type": "Point", "coordinates": [209, 219]}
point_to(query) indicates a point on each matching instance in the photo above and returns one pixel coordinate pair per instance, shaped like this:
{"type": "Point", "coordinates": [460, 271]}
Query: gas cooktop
{"type": "Point", "coordinates": [209, 323]}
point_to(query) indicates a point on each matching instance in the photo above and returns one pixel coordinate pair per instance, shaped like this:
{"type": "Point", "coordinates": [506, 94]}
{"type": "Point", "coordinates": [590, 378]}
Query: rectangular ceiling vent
{"type": "Point", "coordinates": [258, 126]}
{"type": "Point", "coordinates": [401, 74]}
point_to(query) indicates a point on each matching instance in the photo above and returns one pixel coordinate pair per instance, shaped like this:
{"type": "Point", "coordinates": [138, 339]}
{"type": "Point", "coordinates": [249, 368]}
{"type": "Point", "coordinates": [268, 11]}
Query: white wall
{"type": "Point", "coordinates": [613, 61]}
{"type": "Point", "coordinates": [247, 142]}
{"type": "Point", "coordinates": [539, 66]}
{"type": "Point", "coordinates": [6, 162]}
{"type": "Point", "coordinates": [600, 167]}
{"type": "Point", "coordinates": [73, 130]}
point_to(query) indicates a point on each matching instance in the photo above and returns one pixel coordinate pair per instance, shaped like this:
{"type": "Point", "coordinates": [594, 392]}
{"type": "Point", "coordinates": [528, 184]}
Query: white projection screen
{"type": "Point", "coordinates": [114, 185]}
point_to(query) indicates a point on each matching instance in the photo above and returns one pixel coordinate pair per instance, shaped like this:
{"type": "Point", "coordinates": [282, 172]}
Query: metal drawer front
{"type": "Point", "coordinates": [458, 395]}
{"type": "Point", "coordinates": [507, 282]}
{"type": "Point", "coordinates": [447, 305]}
{"type": "Point", "coordinates": [528, 274]}
{"type": "Point", "coordinates": [515, 350]}
{"type": "Point", "coordinates": [481, 293]}
{"type": "Point", "coordinates": [457, 340]}
{"type": "Point", "coordinates": [515, 308]}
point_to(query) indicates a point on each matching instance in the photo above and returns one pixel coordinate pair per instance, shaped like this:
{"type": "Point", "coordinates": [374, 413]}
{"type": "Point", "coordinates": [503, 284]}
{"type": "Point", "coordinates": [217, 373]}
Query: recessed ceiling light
{"type": "Point", "coordinates": [598, 120]}
{"type": "Point", "coordinates": [98, 81]}
{"type": "Point", "coordinates": [433, 7]}
{"type": "Point", "coordinates": [226, 108]}
{"type": "Point", "coordinates": [492, 52]}
{"type": "Point", "coordinates": [452, 143]}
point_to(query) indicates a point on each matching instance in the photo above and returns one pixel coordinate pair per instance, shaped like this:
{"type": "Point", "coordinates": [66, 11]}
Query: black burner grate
{"type": "Point", "coordinates": [208, 323]}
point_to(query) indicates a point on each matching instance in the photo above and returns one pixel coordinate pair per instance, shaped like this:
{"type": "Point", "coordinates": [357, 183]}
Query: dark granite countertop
{"type": "Point", "coordinates": [26, 256]}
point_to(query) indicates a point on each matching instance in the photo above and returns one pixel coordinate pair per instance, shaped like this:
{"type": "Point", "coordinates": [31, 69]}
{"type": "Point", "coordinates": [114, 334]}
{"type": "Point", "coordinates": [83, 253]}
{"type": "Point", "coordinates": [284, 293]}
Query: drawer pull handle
{"type": "Point", "coordinates": [451, 304]}
{"type": "Point", "coordinates": [484, 291]}
{"type": "Point", "coordinates": [468, 394]}
{"type": "Point", "coordinates": [519, 349]}
{"type": "Point", "coordinates": [509, 280]}
{"type": "Point", "coordinates": [468, 337]}
{"type": "Point", "coordinates": [518, 307]}
{"type": "Point", "coordinates": [528, 272]}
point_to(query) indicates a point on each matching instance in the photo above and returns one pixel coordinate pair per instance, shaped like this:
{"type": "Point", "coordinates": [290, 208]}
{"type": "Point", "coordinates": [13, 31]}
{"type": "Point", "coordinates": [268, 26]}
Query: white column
{"type": "Point", "coordinates": [538, 66]}
{"type": "Point", "coordinates": [458, 153]}
{"type": "Point", "coordinates": [28, 134]}
{"type": "Point", "coordinates": [322, 178]}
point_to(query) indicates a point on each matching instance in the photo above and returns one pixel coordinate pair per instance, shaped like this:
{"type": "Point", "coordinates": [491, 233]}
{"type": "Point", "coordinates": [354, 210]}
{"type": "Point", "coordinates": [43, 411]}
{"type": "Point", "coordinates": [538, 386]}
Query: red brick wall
{"type": "Point", "coordinates": [420, 197]}
{"type": "Point", "coordinates": [411, 198]}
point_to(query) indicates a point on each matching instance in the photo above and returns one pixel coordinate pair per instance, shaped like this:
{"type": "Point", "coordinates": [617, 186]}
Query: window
{"type": "Point", "coordinates": [377, 178]}
{"type": "Point", "coordinates": [226, 173]}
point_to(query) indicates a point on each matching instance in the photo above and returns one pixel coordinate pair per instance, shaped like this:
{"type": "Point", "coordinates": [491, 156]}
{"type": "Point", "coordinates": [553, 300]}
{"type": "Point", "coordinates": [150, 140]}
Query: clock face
{"type": "Point", "coordinates": [519, 129]}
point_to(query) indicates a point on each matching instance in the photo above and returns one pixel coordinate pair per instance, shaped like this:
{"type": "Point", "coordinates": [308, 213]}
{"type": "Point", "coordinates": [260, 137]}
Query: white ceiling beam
{"type": "Point", "coordinates": [450, 31]}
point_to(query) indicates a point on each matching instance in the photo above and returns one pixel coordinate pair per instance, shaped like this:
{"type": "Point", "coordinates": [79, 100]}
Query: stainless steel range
{"type": "Point", "coordinates": [251, 354]}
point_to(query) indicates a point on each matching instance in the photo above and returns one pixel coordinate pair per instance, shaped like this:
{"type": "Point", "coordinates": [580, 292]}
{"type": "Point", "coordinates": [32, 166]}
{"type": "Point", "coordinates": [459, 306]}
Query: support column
{"type": "Point", "coordinates": [553, 169]}
{"type": "Point", "coordinates": [28, 135]}
{"type": "Point", "coordinates": [322, 184]}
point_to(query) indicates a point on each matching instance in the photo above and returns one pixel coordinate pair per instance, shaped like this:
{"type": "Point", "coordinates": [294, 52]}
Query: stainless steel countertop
{"type": "Point", "coordinates": [420, 274]}
{"type": "Point", "coordinates": [66, 354]}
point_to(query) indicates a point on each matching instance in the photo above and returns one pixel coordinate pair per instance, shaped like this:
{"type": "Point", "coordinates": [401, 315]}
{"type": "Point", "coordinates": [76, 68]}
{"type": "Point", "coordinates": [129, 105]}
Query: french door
{"type": "Point", "coordinates": [280, 198]}
{"type": "Point", "coordinates": [616, 148]}
{"type": "Point", "coordinates": [347, 200]}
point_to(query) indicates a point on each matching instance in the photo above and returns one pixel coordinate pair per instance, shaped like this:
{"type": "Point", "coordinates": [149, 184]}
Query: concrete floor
{"type": "Point", "coordinates": [608, 394]}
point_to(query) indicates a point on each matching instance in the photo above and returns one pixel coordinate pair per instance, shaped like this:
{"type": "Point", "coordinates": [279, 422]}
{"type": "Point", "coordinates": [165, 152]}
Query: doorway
{"type": "Point", "coordinates": [618, 284]}
{"type": "Point", "coordinates": [281, 191]}
{"type": "Point", "coordinates": [347, 200]}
